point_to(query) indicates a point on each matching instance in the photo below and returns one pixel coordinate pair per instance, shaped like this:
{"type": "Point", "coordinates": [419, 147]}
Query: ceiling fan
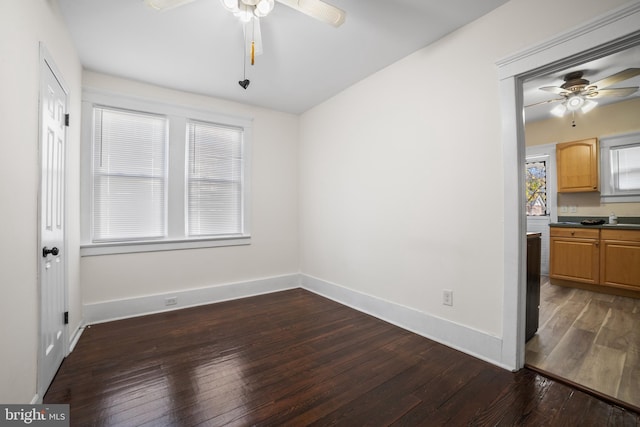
{"type": "Point", "coordinates": [577, 93]}
{"type": "Point", "coordinates": [250, 11]}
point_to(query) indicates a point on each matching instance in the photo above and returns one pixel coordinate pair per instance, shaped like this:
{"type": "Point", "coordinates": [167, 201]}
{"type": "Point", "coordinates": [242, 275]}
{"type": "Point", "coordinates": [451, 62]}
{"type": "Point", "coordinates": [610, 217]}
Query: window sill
{"type": "Point", "coordinates": [93, 249]}
{"type": "Point", "coordinates": [627, 198]}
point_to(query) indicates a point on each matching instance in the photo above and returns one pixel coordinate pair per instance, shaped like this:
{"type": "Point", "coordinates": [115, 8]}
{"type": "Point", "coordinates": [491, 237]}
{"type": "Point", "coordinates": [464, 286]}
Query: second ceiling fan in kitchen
{"type": "Point", "coordinates": [578, 94]}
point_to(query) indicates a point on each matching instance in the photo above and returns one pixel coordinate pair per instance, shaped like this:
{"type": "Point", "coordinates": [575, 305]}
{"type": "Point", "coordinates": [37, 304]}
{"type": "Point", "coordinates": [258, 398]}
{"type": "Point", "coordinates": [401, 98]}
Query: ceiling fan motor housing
{"type": "Point", "coordinates": [574, 82]}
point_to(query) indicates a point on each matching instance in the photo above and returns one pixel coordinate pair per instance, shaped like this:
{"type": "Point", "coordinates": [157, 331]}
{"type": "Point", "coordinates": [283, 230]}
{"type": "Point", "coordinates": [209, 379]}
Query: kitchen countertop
{"type": "Point", "coordinates": [603, 226]}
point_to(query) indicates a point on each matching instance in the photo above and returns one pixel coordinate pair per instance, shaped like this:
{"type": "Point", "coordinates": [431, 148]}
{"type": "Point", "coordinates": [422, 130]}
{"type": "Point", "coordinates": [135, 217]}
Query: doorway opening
{"type": "Point", "coordinates": [586, 338]}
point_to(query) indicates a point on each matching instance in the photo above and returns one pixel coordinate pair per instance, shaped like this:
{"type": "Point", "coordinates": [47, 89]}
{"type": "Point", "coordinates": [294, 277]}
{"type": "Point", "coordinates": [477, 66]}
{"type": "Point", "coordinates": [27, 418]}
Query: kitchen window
{"type": "Point", "coordinates": [161, 177]}
{"type": "Point", "coordinates": [620, 168]}
{"type": "Point", "coordinates": [536, 188]}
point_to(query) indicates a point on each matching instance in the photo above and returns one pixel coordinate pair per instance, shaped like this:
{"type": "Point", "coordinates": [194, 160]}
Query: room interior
{"type": "Point", "coordinates": [318, 220]}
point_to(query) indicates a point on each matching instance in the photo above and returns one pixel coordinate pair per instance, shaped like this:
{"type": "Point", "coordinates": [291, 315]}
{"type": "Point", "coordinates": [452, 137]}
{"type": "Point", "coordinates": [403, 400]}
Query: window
{"type": "Point", "coordinates": [620, 168]}
{"type": "Point", "coordinates": [129, 175]}
{"type": "Point", "coordinates": [536, 188]}
{"type": "Point", "coordinates": [214, 180]}
{"type": "Point", "coordinates": [161, 177]}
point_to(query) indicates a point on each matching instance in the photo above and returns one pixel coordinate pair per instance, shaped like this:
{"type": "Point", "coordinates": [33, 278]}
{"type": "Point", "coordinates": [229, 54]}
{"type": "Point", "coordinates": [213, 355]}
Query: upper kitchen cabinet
{"type": "Point", "coordinates": [577, 166]}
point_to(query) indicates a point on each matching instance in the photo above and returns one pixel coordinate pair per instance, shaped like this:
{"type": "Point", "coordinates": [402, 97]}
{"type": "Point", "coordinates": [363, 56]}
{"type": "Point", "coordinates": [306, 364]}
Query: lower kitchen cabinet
{"type": "Point", "coordinates": [620, 259]}
{"type": "Point", "coordinates": [575, 254]}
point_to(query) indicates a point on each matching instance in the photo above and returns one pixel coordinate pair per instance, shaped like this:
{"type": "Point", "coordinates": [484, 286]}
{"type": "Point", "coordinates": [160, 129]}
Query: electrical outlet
{"type": "Point", "coordinates": [573, 209]}
{"type": "Point", "coordinates": [447, 297]}
{"type": "Point", "coordinates": [171, 301]}
{"type": "Point", "coordinates": [563, 209]}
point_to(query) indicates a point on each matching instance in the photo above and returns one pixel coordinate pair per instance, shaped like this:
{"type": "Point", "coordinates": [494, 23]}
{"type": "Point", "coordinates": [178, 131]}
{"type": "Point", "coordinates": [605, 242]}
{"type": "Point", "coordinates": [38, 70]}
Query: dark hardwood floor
{"type": "Point", "coordinates": [295, 358]}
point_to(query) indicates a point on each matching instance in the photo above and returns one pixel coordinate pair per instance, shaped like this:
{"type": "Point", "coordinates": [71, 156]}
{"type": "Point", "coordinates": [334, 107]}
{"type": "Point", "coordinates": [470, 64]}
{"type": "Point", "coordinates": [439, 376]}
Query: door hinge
{"type": "Point", "coordinates": [66, 119]}
{"type": "Point", "coordinates": [66, 317]}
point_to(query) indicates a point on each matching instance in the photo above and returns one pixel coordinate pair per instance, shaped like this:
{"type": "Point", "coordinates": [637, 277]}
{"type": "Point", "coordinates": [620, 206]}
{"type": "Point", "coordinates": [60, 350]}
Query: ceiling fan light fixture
{"type": "Point", "coordinates": [574, 103]}
{"type": "Point", "coordinates": [231, 5]}
{"type": "Point", "coordinates": [559, 110]}
{"type": "Point", "coordinates": [264, 7]}
{"type": "Point", "coordinates": [588, 106]}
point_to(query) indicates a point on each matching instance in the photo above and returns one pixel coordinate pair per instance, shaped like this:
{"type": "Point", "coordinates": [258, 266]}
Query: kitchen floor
{"type": "Point", "coordinates": [589, 338]}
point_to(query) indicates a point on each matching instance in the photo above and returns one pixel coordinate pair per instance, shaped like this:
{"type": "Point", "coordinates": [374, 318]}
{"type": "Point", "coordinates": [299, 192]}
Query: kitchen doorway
{"type": "Point", "coordinates": [588, 339]}
{"type": "Point", "coordinates": [612, 32]}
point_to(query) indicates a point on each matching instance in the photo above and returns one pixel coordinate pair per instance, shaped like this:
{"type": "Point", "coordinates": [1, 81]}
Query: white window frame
{"type": "Point", "coordinates": [608, 193]}
{"type": "Point", "coordinates": [178, 117]}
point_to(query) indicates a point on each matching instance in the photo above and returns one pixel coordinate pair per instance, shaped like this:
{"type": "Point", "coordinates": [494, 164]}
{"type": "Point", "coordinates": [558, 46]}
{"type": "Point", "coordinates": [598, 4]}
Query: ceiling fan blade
{"type": "Point", "coordinates": [166, 4]}
{"type": "Point", "coordinates": [618, 77]}
{"type": "Point", "coordinates": [318, 9]}
{"type": "Point", "coordinates": [555, 89]}
{"type": "Point", "coordinates": [623, 91]}
{"type": "Point", "coordinates": [544, 102]}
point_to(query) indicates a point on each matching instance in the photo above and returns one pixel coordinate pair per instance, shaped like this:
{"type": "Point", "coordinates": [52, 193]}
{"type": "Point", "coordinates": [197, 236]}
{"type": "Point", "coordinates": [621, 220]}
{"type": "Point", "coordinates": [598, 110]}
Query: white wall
{"type": "Point", "coordinates": [401, 185]}
{"type": "Point", "coordinates": [274, 212]}
{"type": "Point", "coordinates": [23, 24]}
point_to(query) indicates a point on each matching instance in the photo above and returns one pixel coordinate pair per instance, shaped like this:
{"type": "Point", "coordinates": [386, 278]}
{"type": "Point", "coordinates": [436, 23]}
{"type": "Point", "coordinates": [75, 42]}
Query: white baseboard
{"type": "Point", "coordinates": [470, 341]}
{"type": "Point", "coordinates": [75, 337]}
{"type": "Point", "coordinates": [149, 304]}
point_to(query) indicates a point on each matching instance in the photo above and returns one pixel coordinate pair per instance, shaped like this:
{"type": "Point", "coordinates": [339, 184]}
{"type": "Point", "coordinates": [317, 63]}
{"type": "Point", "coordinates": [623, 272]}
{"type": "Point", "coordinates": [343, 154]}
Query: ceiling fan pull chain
{"type": "Point", "coordinates": [245, 82]}
{"type": "Point", "coordinates": [253, 42]}
{"type": "Point", "coordinates": [253, 52]}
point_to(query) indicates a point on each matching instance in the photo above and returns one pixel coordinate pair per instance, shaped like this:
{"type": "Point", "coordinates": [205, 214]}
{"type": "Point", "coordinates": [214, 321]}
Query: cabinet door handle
{"type": "Point", "coordinates": [597, 244]}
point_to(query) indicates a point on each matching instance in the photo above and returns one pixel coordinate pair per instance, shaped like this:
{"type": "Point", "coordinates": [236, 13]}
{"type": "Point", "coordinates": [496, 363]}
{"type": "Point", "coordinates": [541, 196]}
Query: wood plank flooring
{"type": "Point", "coordinates": [589, 338]}
{"type": "Point", "coordinates": [295, 358]}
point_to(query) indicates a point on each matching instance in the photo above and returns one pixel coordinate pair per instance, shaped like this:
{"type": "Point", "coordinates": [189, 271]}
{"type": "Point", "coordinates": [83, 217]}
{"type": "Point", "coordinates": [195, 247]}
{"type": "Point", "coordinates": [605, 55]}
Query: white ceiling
{"type": "Point", "coordinates": [593, 71]}
{"type": "Point", "coordinates": [199, 47]}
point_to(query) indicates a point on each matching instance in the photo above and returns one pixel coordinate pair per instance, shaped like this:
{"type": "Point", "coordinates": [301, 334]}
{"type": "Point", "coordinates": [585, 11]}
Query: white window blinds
{"type": "Point", "coordinates": [214, 180]}
{"type": "Point", "coordinates": [625, 167]}
{"type": "Point", "coordinates": [129, 175]}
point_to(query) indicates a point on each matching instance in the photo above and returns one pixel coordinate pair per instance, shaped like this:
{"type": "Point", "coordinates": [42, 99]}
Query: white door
{"type": "Point", "coordinates": [541, 205]}
{"type": "Point", "coordinates": [53, 106]}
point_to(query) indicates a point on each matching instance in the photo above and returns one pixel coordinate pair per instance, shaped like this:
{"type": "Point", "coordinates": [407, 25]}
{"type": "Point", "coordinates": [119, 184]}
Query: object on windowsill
{"type": "Point", "coordinates": [592, 222]}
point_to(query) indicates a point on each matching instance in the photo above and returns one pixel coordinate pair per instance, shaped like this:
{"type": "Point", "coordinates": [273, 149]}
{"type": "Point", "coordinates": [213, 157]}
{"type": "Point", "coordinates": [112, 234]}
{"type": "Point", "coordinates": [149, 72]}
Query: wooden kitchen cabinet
{"type": "Point", "coordinates": [577, 166]}
{"type": "Point", "coordinates": [620, 258]}
{"type": "Point", "coordinates": [575, 255]}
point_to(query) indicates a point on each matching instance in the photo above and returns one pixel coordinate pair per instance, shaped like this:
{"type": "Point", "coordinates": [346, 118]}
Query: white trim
{"type": "Point", "coordinates": [36, 400]}
{"type": "Point", "coordinates": [468, 340]}
{"type": "Point", "coordinates": [608, 33]}
{"type": "Point", "coordinates": [476, 343]}
{"type": "Point", "coordinates": [161, 245]}
{"type": "Point", "coordinates": [132, 307]}
{"type": "Point", "coordinates": [615, 24]}
{"type": "Point", "coordinates": [75, 337]}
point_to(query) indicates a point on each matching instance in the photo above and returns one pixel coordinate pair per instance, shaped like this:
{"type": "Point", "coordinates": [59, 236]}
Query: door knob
{"type": "Point", "coordinates": [53, 251]}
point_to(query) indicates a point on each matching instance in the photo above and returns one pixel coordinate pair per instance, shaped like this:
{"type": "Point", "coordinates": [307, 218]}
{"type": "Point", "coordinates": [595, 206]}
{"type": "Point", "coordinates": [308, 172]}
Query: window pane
{"type": "Point", "coordinates": [129, 168]}
{"type": "Point", "coordinates": [214, 180]}
{"type": "Point", "coordinates": [536, 188]}
{"type": "Point", "coordinates": [626, 168]}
